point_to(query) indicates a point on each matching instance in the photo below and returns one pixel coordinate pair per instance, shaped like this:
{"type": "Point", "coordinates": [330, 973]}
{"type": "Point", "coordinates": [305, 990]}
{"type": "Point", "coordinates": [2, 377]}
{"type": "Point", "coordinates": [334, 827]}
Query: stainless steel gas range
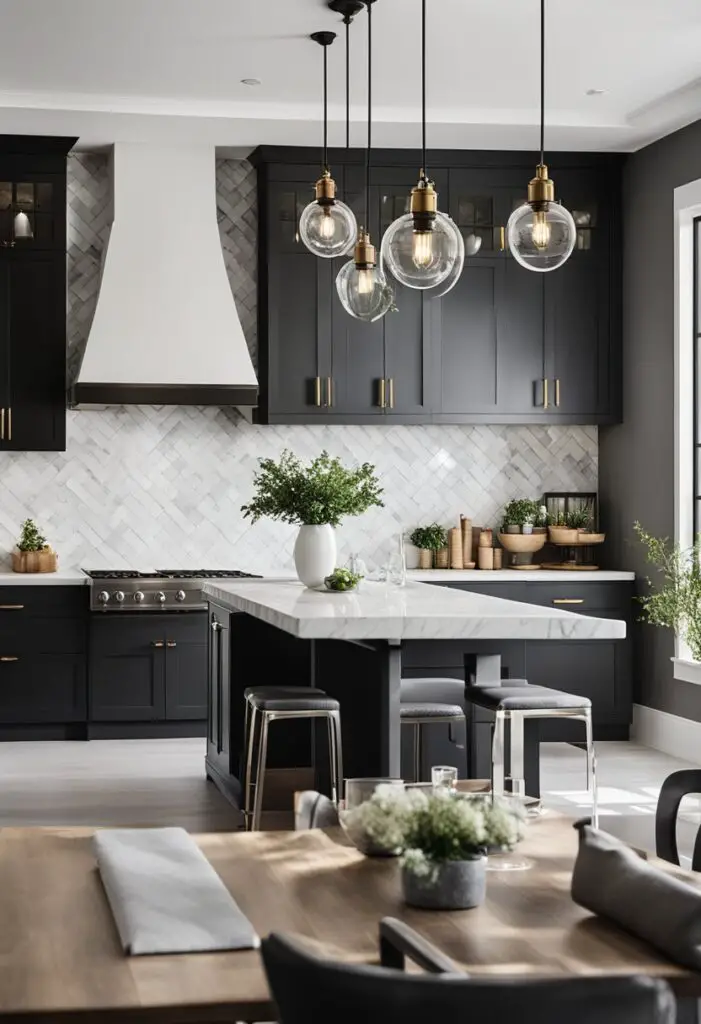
{"type": "Point", "coordinates": [163, 590]}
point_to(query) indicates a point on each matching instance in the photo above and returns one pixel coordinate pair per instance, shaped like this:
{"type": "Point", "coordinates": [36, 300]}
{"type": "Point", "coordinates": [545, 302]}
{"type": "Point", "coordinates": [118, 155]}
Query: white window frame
{"type": "Point", "coordinates": [687, 207]}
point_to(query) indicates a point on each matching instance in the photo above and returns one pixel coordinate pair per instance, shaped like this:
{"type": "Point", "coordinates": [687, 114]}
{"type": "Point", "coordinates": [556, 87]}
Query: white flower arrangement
{"type": "Point", "coordinates": [377, 826]}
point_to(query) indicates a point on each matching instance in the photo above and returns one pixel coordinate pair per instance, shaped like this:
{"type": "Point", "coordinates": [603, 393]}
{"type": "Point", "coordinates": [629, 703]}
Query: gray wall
{"type": "Point", "coordinates": [637, 458]}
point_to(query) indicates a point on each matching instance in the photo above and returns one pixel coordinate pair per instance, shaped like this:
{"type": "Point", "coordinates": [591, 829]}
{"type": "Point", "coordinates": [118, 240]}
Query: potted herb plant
{"type": "Point", "coordinates": [541, 523]}
{"type": "Point", "coordinates": [445, 840]}
{"type": "Point", "coordinates": [519, 513]}
{"type": "Point", "coordinates": [33, 554]}
{"type": "Point", "coordinates": [674, 603]}
{"type": "Point", "coordinates": [428, 539]}
{"type": "Point", "coordinates": [315, 497]}
{"type": "Point", "coordinates": [559, 530]}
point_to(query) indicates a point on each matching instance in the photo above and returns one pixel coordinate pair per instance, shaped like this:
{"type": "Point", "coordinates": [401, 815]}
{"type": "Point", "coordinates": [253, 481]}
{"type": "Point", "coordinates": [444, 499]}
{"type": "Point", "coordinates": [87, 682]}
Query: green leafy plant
{"type": "Point", "coordinates": [430, 538]}
{"type": "Point", "coordinates": [676, 602]}
{"type": "Point", "coordinates": [342, 579]}
{"type": "Point", "coordinates": [579, 518]}
{"type": "Point", "coordinates": [444, 827]}
{"type": "Point", "coordinates": [314, 495]}
{"type": "Point", "coordinates": [556, 518]}
{"type": "Point", "coordinates": [520, 511]}
{"type": "Point", "coordinates": [30, 538]}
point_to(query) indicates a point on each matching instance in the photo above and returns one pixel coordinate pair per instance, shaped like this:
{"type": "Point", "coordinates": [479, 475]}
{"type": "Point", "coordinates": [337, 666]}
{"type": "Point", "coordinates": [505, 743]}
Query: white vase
{"type": "Point", "coordinates": [315, 554]}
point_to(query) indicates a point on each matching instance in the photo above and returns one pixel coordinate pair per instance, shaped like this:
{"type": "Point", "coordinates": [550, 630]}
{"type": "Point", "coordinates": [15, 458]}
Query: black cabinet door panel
{"type": "Point", "coordinates": [186, 666]}
{"type": "Point", "coordinates": [127, 668]}
{"type": "Point", "coordinates": [218, 672]}
{"type": "Point", "coordinates": [586, 668]}
{"type": "Point", "coordinates": [42, 689]}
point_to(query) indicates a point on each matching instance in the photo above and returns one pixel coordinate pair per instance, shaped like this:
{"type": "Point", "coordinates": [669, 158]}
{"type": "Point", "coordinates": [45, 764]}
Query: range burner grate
{"type": "Point", "coordinates": [206, 574]}
{"type": "Point", "coordinates": [120, 574]}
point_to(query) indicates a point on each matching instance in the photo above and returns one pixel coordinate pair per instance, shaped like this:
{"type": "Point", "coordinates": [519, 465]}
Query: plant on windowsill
{"type": "Point", "coordinates": [33, 554]}
{"type": "Point", "coordinates": [315, 497]}
{"type": "Point", "coordinates": [675, 602]}
{"type": "Point", "coordinates": [428, 539]}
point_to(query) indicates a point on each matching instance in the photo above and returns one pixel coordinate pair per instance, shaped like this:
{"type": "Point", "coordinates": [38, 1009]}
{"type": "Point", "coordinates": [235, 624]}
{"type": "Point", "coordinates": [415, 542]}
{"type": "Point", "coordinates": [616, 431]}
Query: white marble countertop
{"type": "Point", "coordinates": [62, 578]}
{"type": "Point", "coordinates": [517, 576]}
{"type": "Point", "coordinates": [414, 612]}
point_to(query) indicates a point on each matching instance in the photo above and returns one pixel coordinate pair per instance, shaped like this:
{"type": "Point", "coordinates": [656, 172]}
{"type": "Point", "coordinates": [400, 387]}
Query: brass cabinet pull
{"type": "Point", "coordinates": [502, 239]}
{"type": "Point", "coordinates": [11, 607]}
{"type": "Point", "coordinates": [317, 391]}
{"type": "Point", "coordinates": [171, 643]}
{"type": "Point", "coordinates": [557, 391]}
{"type": "Point", "coordinates": [329, 391]}
{"type": "Point", "coordinates": [157, 643]}
{"type": "Point", "coordinates": [9, 424]}
{"type": "Point", "coordinates": [383, 401]}
{"type": "Point", "coordinates": [2, 424]}
{"type": "Point", "coordinates": [545, 392]}
{"type": "Point", "coordinates": [568, 600]}
{"type": "Point", "coordinates": [391, 392]}
{"type": "Point", "coordinates": [9, 657]}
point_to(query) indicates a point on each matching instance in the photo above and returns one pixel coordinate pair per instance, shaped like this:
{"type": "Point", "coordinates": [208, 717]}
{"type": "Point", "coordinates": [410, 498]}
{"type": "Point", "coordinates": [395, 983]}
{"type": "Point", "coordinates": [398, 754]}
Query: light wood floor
{"type": "Point", "coordinates": [162, 782]}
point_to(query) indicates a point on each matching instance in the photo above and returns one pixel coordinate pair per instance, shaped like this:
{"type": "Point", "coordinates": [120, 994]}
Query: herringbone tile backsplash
{"type": "Point", "coordinates": [144, 486]}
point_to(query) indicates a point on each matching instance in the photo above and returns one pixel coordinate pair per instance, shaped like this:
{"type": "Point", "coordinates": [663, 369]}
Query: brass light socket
{"type": "Point", "coordinates": [424, 198]}
{"type": "Point", "coordinates": [325, 189]}
{"type": "Point", "coordinates": [364, 256]}
{"type": "Point", "coordinates": [541, 189]}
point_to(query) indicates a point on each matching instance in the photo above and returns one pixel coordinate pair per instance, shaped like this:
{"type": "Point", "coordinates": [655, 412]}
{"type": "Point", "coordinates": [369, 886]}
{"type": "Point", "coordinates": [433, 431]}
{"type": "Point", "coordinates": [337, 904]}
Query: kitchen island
{"type": "Point", "coordinates": [351, 645]}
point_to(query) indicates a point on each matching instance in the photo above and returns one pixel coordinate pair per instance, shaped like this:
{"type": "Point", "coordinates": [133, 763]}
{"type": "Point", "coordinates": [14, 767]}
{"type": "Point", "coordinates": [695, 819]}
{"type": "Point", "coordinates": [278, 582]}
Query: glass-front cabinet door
{"type": "Point", "coordinates": [28, 213]}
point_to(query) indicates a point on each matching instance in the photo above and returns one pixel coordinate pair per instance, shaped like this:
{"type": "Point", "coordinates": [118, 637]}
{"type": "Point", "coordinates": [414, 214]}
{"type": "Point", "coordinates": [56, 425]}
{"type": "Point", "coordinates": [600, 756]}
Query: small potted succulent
{"type": "Point", "coordinates": [428, 539]}
{"type": "Point", "coordinates": [517, 532]}
{"type": "Point", "coordinates": [342, 580]}
{"type": "Point", "coordinates": [33, 554]}
{"type": "Point", "coordinates": [445, 842]}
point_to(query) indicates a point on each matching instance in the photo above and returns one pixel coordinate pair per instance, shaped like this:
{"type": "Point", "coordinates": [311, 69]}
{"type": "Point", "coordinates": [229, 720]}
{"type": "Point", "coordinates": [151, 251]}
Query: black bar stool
{"type": "Point", "coordinates": [417, 714]}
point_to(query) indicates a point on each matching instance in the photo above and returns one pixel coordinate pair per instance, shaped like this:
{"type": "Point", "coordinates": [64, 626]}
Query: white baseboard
{"type": "Point", "coordinates": [679, 737]}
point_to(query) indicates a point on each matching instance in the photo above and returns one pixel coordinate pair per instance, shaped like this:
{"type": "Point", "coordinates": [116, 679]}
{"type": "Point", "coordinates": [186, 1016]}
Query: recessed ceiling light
{"type": "Point", "coordinates": [250, 81]}
{"type": "Point", "coordinates": [595, 92]}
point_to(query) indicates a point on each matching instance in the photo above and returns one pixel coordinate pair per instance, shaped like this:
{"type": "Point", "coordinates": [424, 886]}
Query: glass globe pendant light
{"type": "Point", "coordinates": [541, 232]}
{"type": "Point", "coordinates": [361, 283]}
{"type": "Point", "coordinates": [423, 248]}
{"type": "Point", "coordinates": [327, 226]}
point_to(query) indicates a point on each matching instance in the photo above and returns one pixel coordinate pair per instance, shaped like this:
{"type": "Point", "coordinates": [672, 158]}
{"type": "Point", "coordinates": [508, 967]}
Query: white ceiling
{"type": "Point", "coordinates": [170, 71]}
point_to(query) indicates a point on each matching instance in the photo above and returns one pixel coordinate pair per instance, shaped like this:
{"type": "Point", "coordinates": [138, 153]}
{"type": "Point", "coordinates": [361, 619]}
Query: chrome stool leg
{"type": "Point", "coordinates": [260, 771]}
{"type": "Point", "coordinates": [498, 753]}
{"type": "Point", "coordinates": [336, 758]}
{"type": "Point", "coordinates": [250, 743]}
{"type": "Point", "coordinates": [417, 752]}
{"type": "Point", "coordinates": [517, 774]}
{"type": "Point", "coordinates": [591, 768]}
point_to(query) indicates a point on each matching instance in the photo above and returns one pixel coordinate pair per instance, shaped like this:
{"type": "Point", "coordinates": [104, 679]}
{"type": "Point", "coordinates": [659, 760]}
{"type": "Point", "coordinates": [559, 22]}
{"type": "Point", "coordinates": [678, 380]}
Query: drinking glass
{"type": "Point", "coordinates": [444, 776]}
{"type": "Point", "coordinates": [396, 562]}
{"type": "Point", "coordinates": [507, 859]}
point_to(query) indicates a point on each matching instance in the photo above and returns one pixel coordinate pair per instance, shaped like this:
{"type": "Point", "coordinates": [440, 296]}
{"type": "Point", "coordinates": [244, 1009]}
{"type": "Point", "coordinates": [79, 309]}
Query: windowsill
{"type": "Point", "coordinates": [687, 670]}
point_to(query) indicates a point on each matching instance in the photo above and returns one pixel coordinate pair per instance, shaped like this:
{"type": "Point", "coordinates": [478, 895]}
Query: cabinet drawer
{"type": "Point", "coordinates": [42, 689]}
{"type": "Point", "coordinates": [582, 597]}
{"type": "Point", "coordinates": [26, 634]}
{"type": "Point", "coordinates": [35, 599]}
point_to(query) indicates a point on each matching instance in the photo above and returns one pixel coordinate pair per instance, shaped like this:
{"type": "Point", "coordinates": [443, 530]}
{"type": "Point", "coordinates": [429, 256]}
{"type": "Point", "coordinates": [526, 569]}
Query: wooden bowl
{"type": "Point", "coordinates": [563, 535]}
{"type": "Point", "coordinates": [45, 560]}
{"type": "Point", "coordinates": [520, 543]}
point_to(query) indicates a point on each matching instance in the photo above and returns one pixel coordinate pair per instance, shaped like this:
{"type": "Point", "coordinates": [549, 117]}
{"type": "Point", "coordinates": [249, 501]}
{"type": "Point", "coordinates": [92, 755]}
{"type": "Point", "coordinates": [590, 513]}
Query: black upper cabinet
{"type": "Point", "coordinates": [33, 293]}
{"type": "Point", "coordinates": [505, 345]}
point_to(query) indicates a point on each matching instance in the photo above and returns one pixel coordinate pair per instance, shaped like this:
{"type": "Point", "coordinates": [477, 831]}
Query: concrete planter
{"type": "Point", "coordinates": [460, 884]}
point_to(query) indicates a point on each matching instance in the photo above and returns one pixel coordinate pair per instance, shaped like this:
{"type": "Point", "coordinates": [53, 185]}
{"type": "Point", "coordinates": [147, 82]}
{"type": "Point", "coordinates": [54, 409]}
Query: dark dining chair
{"type": "Point", "coordinates": [674, 788]}
{"type": "Point", "coordinates": [311, 990]}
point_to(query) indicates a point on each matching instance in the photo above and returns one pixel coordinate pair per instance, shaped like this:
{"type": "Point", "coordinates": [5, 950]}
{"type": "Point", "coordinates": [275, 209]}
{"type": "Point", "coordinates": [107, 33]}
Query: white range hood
{"type": "Point", "coordinates": [165, 330]}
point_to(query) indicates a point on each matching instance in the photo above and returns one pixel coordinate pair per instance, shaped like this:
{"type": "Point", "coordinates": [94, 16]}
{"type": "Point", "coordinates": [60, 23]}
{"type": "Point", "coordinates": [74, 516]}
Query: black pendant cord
{"type": "Point", "coordinates": [369, 146]}
{"type": "Point", "coordinates": [542, 81]}
{"type": "Point", "coordinates": [347, 21]}
{"type": "Point", "coordinates": [423, 89]}
{"type": "Point", "coordinates": [326, 111]}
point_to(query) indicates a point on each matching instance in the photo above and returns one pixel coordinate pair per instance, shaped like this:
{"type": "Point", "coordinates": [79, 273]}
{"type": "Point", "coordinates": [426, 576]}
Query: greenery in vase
{"type": "Point", "coordinates": [556, 518]}
{"type": "Point", "coordinates": [519, 512]}
{"type": "Point", "coordinates": [30, 538]}
{"type": "Point", "coordinates": [323, 492]}
{"type": "Point", "coordinates": [579, 518]}
{"type": "Point", "coordinates": [676, 602]}
{"type": "Point", "coordinates": [342, 579]}
{"type": "Point", "coordinates": [430, 538]}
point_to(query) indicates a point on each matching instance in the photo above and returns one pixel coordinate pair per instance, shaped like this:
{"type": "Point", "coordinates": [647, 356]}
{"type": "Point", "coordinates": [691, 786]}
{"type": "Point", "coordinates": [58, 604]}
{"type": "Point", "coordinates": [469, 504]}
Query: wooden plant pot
{"type": "Point", "coordinates": [563, 535]}
{"type": "Point", "coordinates": [35, 561]}
{"type": "Point", "coordinates": [425, 558]}
{"type": "Point", "coordinates": [442, 558]}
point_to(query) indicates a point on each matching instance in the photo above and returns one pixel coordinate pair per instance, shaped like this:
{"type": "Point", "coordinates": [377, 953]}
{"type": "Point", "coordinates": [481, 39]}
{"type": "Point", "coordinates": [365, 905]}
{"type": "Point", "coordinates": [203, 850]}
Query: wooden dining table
{"type": "Point", "coordinates": [61, 960]}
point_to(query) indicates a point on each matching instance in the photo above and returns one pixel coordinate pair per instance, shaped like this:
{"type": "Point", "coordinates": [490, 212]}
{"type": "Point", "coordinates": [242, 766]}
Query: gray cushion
{"type": "Point", "coordinates": [423, 709]}
{"type": "Point", "coordinates": [314, 810]}
{"type": "Point", "coordinates": [523, 698]}
{"type": "Point", "coordinates": [309, 702]}
{"type": "Point", "coordinates": [281, 691]}
{"type": "Point", "coordinates": [613, 881]}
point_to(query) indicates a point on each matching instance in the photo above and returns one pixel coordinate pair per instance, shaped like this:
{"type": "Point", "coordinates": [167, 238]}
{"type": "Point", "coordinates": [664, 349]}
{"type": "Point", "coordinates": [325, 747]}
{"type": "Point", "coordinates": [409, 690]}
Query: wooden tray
{"type": "Point", "coordinates": [569, 567]}
{"type": "Point", "coordinates": [584, 540]}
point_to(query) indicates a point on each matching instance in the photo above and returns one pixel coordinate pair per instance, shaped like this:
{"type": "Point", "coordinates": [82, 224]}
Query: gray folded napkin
{"type": "Point", "coordinates": [613, 881]}
{"type": "Point", "coordinates": [165, 896]}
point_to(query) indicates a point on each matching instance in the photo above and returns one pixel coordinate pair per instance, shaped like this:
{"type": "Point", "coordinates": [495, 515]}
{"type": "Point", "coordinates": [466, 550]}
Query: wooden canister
{"type": "Point", "coordinates": [442, 558]}
{"type": "Point", "coordinates": [485, 558]}
{"type": "Point", "coordinates": [476, 531]}
{"type": "Point", "coordinates": [455, 546]}
{"type": "Point", "coordinates": [466, 527]}
{"type": "Point", "coordinates": [497, 558]}
{"type": "Point", "coordinates": [425, 558]}
{"type": "Point", "coordinates": [485, 540]}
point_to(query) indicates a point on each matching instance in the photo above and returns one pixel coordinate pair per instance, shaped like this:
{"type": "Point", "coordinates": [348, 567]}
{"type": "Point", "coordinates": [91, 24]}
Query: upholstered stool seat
{"type": "Point", "coordinates": [524, 697]}
{"type": "Point", "coordinates": [266, 704]}
{"type": "Point", "coordinates": [416, 714]}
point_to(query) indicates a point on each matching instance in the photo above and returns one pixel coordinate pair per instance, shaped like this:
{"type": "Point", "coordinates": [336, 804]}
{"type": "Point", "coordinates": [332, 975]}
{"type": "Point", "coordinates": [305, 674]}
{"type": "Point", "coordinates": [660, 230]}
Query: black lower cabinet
{"type": "Point", "coordinates": [218, 670]}
{"type": "Point", "coordinates": [42, 688]}
{"type": "Point", "coordinates": [148, 669]}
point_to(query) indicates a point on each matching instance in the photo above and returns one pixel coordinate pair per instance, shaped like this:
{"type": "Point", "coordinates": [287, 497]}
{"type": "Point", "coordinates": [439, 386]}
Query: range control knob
{"type": "Point", "coordinates": [139, 596]}
{"type": "Point", "coordinates": [119, 596]}
{"type": "Point", "coordinates": [103, 597]}
{"type": "Point", "coordinates": [160, 596]}
{"type": "Point", "coordinates": [180, 595]}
